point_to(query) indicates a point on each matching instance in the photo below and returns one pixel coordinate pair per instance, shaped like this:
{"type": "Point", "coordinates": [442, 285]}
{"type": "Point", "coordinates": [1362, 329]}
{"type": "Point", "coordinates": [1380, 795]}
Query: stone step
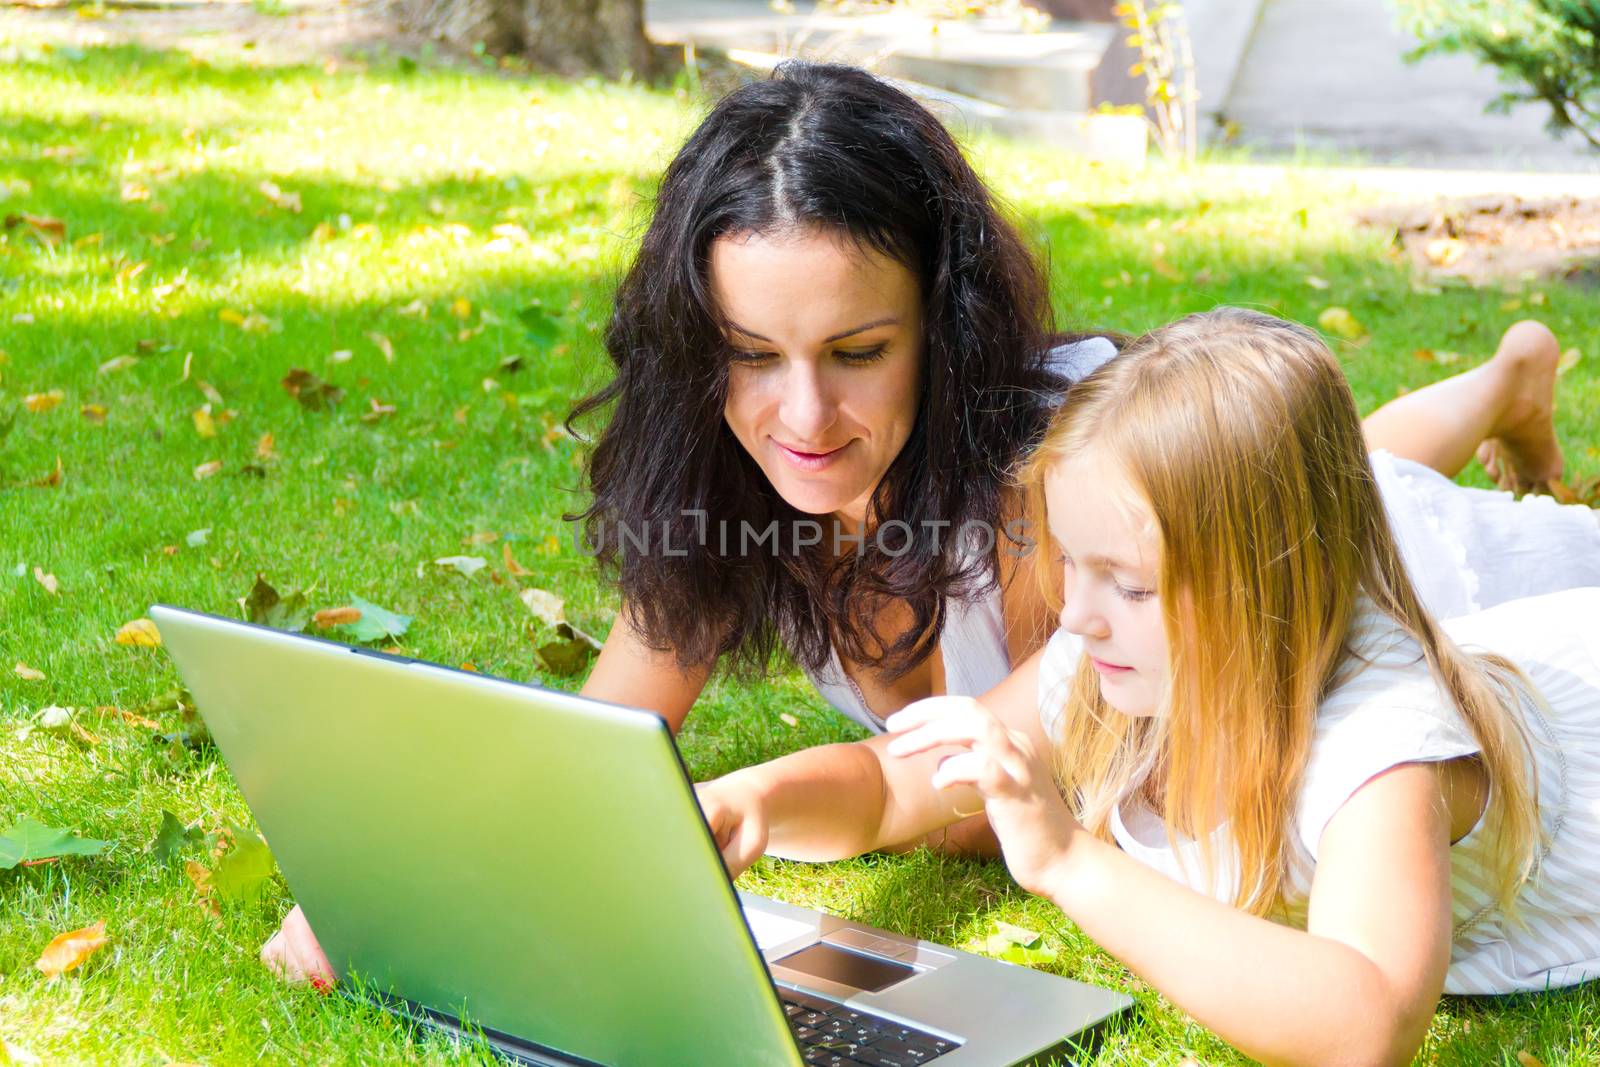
{"type": "Point", "coordinates": [1111, 138]}
{"type": "Point", "coordinates": [988, 60]}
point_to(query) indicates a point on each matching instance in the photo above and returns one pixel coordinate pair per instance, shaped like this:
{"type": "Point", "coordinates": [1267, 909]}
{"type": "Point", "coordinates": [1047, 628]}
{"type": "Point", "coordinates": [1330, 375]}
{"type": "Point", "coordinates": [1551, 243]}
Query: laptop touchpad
{"type": "Point", "coordinates": [870, 974]}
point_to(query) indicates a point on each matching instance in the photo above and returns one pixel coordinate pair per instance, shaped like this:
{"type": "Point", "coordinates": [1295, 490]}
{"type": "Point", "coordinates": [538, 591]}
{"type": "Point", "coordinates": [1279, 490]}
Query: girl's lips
{"type": "Point", "coordinates": [809, 461]}
{"type": "Point", "coordinates": [1108, 668]}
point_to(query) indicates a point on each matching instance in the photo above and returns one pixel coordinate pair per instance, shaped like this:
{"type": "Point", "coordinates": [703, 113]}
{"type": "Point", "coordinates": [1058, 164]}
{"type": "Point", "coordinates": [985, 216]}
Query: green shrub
{"type": "Point", "coordinates": [1547, 50]}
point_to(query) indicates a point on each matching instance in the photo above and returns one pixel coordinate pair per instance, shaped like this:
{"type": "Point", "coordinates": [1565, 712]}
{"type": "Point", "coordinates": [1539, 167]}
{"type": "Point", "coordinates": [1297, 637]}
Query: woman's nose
{"type": "Point", "coordinates": [807, 407]}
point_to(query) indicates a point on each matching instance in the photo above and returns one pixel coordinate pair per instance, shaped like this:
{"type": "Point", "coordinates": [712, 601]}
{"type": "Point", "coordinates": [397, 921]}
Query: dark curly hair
{"type": "Point", "coordinates": [833, 148]}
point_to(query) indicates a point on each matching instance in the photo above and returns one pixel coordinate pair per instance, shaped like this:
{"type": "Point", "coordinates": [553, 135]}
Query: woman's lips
{"type": "Point", "coordinates": [809, 461]}
{"type": "Point", "coordinates": [1108, 668]}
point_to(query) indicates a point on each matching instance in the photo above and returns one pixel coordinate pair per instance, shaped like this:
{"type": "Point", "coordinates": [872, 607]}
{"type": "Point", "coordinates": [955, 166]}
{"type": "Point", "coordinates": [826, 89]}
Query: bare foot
{"type": "Point", "coordinates": [1522, 453]}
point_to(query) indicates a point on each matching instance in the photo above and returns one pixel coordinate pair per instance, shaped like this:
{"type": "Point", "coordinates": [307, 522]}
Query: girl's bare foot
{"type": "Point", "coordinates": [1521, 453]}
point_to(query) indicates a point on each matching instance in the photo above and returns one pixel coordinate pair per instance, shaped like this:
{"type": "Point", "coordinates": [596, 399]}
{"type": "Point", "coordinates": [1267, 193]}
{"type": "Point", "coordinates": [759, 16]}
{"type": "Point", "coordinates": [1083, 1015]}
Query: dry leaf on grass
{"type": "Point", "coordinates": [384, 345]}
{"type": "Point", "coordinates": [39, 403]}
{"type": "Point", "coordinates": [69, 950]}
{"type": "Point", "coordinates": [313, 393]}
{"type": "Point", "coordinates": [512, 566]}
{"type": "Point", "coordinates": [42, 228]}
{"type": "Point", "coordinates": [140, 633]}
{"type": "Point", "coordinates": [51, 480]}
{"type": "Point", "coordinates": [1341, 323]}
{"type": "Point", "coordinates": [336, 617]}
{"type": "Point", "coordinates": [49, 581]}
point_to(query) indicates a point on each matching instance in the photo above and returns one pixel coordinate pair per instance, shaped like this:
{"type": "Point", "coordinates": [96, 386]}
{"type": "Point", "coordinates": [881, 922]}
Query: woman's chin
{"type": "Point", "coordinates": [820, 501]}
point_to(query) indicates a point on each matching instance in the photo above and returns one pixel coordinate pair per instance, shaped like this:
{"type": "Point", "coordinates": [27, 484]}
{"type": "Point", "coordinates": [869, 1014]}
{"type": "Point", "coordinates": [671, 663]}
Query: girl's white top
{"type": "Point", "coordinates": [1392, 711]}
{"type": "Point", "coordinates": [1465, 549]}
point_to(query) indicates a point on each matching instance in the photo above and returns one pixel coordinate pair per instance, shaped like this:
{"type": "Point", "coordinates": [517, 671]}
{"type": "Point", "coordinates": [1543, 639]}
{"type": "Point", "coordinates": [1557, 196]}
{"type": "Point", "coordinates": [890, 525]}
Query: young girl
{"type": "Point", "coordinates": [1249, 763]}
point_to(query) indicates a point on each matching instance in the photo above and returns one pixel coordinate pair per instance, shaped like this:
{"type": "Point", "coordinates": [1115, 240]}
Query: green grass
{"type": "Point", "coordinates": [356, 508]}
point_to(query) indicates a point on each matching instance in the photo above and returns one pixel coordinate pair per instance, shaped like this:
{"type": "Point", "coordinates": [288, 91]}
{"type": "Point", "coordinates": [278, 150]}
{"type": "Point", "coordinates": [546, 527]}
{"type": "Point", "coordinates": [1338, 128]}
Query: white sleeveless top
{"type": "Point", "coordinates": [1394, 712]}
{"type": "Point", "coordinates": [1465, 549]}
{"type": "Point", "coordinates": [973, 642]}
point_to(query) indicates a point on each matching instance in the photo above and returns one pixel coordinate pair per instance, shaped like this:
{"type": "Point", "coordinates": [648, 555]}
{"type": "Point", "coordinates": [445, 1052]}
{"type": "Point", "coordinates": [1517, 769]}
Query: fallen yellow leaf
{"type": "Point", "coordinates": [51, 479]}
{"type": "Point", "coordinates": [336, 617]}
{"type": "Point", "coordinates": [39, 403]}
{"type": "Point", "coordinates": [93, 413]}
{"type": "Point", "coordinates": [384, 346]}
{"type": "Point", "coordinates": [27, 673]}
{"type": "Point", "coordinates": [69, 950]}
{"type": "Point", "coordinates": [461, 308]}
{"type": "Point", "coordinates": [141, 633]}
{"type": "Point", "coordinates": [117, 363]}
{"type": "Point", "coordinates": [1341, 323]}
{"type": "Point", "coordinates": [512, 566]}
{"type": "Point", "coordinates": [231, 317]}
{"type": "Point", "coordinates": [200, 875]}
{"type": "Point", "coordinates": [49, 582]}
{"type": "Point", "coordinates": [1569, 359]}
{"type": "Point", "coordinates": [264, 446]}
{"type": "Point", "coordinates": [47, 231]}
{"type": "Point", "coordinates": [204, 424]}
{"type": "Point", "coordinates": [207, 469]}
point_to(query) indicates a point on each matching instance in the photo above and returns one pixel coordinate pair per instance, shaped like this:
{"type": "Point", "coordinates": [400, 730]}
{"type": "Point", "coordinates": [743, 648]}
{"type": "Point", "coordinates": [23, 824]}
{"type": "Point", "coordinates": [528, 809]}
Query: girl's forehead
{"type": "Point", "coordinates": [1091, 501]}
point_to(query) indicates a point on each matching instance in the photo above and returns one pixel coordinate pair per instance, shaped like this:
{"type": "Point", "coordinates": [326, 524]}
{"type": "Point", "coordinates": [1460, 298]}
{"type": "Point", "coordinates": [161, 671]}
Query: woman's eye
{"type": "Point", "coordinates": [741, 355]}
{"type": "Point", "coordinates": [863, 356]}
{"type": "Point", "coordinates": [1134, 595]}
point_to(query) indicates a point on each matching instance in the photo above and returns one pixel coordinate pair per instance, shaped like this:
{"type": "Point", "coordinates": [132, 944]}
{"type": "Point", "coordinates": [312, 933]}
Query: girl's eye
{"type": "Point", "coordinates": [740, 355]}
{"type": "Point", "coordinates": [869, 355]}
{"type": "Point", "coordinates": [1134, 595]}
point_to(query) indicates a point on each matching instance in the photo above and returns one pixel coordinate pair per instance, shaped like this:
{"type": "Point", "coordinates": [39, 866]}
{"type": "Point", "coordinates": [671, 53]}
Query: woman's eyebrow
{"type": "Point", "coordinates": [874, 324]}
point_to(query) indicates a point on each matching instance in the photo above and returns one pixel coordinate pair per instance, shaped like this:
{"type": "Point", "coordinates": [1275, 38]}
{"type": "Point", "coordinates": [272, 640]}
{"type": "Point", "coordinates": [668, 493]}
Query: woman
{"type": "Point", "coordinates": [830, 350]}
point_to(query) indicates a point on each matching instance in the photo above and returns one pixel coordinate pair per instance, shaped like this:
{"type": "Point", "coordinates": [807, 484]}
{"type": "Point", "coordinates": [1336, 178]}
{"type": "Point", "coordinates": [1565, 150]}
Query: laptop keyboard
{"type": "Point", "coordinates": [833, 1035]}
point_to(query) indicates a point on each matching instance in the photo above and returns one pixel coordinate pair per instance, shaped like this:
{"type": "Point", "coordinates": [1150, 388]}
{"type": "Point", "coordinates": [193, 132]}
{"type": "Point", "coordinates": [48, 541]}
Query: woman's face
{"type": "Point", "coordinates": [824, 384]}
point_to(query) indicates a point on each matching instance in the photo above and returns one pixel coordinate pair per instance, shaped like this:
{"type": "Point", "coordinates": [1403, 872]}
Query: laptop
{"type": "Point", "coordinates": [532, 866]}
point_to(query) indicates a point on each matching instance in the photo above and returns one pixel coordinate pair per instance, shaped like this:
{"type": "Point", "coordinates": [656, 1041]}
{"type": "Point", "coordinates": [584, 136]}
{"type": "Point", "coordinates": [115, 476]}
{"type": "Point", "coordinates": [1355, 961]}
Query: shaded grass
{"type": "Point", "coordinates": [356, 508]}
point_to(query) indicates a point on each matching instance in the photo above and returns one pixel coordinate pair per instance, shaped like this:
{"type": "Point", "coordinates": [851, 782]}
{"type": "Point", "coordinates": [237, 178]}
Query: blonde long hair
{"type": "Point", "coordinates": [1241, 434]}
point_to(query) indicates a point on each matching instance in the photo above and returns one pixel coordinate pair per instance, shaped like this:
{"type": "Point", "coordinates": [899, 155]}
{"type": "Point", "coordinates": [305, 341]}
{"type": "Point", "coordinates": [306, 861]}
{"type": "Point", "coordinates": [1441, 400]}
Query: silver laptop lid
{"type": "Point", "coordinates": [468, 842]}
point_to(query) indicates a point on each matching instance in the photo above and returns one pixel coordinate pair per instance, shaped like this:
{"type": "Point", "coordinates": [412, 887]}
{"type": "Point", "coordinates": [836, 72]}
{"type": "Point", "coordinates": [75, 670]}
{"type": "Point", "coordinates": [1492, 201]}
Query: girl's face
{"type": "Point", "coordinates": [823, 391]}
{"type": "Point", "coordinates": [1110, 550]}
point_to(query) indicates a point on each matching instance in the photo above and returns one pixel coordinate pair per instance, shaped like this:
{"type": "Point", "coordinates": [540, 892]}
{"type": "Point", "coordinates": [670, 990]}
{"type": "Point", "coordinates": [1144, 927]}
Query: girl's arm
{"type": "Point", "coordinates": [630, 672]}
{"type": "Point", "coordinates": [1358, 986]}
{"type": "Point", "coordinates": [835, 801]}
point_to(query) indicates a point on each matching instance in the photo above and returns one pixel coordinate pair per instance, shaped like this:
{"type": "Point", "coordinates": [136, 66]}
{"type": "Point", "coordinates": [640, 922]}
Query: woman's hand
{"type": "Point", "coordinates": [294, 955]}
{"type": "Point", "coordinates": [737, 815]}
{"type": "Point", "coordinates": [1033, 823]}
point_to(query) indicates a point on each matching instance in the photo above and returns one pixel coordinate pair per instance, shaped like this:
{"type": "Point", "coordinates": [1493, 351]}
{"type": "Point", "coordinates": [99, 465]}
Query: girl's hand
{"type": "Point", "coordinates": [738, 819]}
{"type": "Point", "coordinates": [294, 954]}
{"type": "Point", "coordinates": [1028, 815]}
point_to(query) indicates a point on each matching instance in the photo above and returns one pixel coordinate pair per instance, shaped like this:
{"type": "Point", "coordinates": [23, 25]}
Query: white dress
{"type": "Point", "coordinates": [1465, 549]}
{"type": "Point", "coordinates": [1393, 712]}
